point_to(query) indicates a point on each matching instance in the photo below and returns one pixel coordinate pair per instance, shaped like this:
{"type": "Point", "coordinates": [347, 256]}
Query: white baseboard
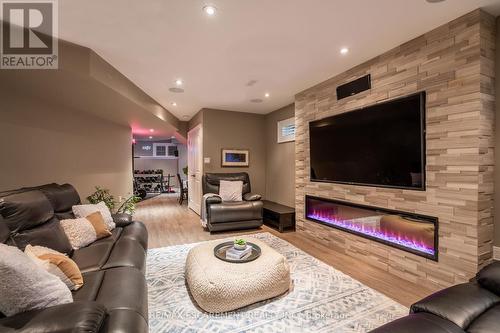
{"type": "Point", "coordinates": [496, 252]}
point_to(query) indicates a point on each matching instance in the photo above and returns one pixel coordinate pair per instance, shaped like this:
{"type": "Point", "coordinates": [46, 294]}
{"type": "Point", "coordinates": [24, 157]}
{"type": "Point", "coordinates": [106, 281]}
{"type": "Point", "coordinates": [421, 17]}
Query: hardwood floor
{"type": "Point", "coordinates": [168, 224]}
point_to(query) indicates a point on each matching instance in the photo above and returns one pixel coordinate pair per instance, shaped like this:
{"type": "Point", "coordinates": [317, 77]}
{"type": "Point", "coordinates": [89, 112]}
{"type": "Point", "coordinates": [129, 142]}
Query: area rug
{"type": "Point", "coordinates": [322, 299]}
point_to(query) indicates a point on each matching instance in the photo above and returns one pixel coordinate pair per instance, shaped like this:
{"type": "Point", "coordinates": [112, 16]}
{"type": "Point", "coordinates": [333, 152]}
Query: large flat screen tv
{"type": "Point", "coordinates": [380, 145]}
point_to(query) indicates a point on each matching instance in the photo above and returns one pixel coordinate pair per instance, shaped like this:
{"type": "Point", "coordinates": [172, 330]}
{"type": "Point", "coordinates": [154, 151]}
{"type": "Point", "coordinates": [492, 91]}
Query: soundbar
{"type": "Point", "coordinates": [354, 87]}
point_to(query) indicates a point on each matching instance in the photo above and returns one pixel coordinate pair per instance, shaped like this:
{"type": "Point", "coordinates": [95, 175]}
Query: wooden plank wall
{"type": "Point", "coordinates": [454, 64]}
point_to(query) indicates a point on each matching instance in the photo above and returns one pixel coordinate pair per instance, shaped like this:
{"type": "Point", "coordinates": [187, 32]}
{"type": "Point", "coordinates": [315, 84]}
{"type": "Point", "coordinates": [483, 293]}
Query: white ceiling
{"type": "Point", "coordinates": [285, 45]}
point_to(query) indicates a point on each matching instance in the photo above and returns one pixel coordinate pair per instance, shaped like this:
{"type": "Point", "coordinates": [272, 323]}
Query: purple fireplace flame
{"type": "Point", "coordinates": [414, 235]}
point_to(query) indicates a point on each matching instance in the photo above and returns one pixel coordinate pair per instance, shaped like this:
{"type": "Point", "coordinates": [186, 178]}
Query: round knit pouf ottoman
{"type": "Point", "coordinates": [219, 286]}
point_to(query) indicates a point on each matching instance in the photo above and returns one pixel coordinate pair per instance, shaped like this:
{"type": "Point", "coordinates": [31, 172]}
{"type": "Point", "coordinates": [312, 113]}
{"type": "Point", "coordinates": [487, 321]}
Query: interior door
{"type": "Point", "coordinates": [195, 168]}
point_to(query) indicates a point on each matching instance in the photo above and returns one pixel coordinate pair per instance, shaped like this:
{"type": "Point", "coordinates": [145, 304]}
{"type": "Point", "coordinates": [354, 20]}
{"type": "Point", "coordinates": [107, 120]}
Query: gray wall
{"type": "Point", "coordinates": [280, 160]}
{"type": "Point", "coordinates": [228, 129]}
{"type": "Point", "coordinates": [496, 240]}
{"type": "Point", "coordinates": [43, 142]}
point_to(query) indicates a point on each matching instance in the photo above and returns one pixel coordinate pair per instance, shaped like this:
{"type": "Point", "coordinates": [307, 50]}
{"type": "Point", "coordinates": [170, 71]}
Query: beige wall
{"type": "Point", "coordinates": [228, 129]}
{"type": "Point", "coordinates": [42, 143]}
{"type": "Point", "coordinates": [280, 160]}
{"type": "Point", "coordinates": [454, 64]}
{"type": "Point", "coordinates": [497, 140]}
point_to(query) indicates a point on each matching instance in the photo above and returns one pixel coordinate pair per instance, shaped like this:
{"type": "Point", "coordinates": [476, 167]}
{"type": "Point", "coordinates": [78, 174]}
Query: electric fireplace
{"type": "Point", "coordinates": [414, 233]}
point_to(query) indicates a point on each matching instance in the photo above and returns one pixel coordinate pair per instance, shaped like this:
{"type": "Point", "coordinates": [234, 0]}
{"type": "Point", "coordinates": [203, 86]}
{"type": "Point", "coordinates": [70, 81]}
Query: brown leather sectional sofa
{"type": "Point", "coordinates": [114, 295]}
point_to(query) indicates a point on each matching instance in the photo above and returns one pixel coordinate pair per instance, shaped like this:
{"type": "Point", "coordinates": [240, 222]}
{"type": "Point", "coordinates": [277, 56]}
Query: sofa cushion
{"type": "Point", "coordinates": [74, 317]}
{"type": "Point", "coordinates": [126, 253]}
{"type": "Point", "coordinates": [116, 288]}
{"type": "Point", "coordinates": [25, 210]}
{"type": "Point", "coordinates": [419, 323]}
{"type": "Point", "coordinates": [115, 282]}
{"type": "Point", "coordinates": [92, 257]}
{"type": "Point", "coordinates": [49, 234]}
{"type": "Point", "coordinates": [235, 211]}
{"type": "Point", "coordinates": [123, 320]}
{"type": "Point", "coordinates": [460, 304]}
{"type": "Point", "coordinates": [489, 277]}
{"type": "Point", "coordinates": [90, 289]}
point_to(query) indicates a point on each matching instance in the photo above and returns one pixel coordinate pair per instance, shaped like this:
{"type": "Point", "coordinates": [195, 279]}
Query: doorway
{"type": "Point", "coordinates": [195, 168]}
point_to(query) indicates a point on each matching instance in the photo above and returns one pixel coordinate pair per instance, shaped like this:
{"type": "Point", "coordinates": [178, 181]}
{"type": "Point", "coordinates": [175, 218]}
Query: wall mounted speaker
{"type": "Point", "coordinates": [354, 87]}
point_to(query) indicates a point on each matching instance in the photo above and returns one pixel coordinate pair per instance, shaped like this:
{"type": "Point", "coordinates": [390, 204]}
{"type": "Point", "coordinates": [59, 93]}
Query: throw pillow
{"type": "Point", "coordinates": [231, 190]}
{"type": "Point", "coordinates": [57, 264]}
{"type": "Point", "coordinates": [26, 286]}
{"type": "Point", "coordinates": [83, 231]}
{"type": "Point", "coordinates": [85, 210]}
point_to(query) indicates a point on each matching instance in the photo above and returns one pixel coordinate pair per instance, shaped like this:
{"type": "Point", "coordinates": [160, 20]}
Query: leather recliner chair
{"type": "Point", "coordinates": [472, 307]}
{"type": "Point", "coordinates": [231, 215]}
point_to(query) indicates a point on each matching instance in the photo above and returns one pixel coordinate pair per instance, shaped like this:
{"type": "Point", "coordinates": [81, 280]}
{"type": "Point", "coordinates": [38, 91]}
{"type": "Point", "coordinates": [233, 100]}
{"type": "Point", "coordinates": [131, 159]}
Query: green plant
{"type": "Point", "coordinates": [185, 170]}
{"type": "Point", "coordinates": [240, 241]}
{"type": "Point", "coordinates": [128, 206]}
{"type": "Point", "coordinates": [102, 194]}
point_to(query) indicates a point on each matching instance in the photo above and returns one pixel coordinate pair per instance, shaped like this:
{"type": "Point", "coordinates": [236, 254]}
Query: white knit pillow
{"type": "Point", "coordinates": [231, 190]}
{"type": "Point", "coordinates": [86, 210]}
{"type": "Point", "coordinates": [26, 286]}
{"type": "Point", "coordinates": [80, 232]}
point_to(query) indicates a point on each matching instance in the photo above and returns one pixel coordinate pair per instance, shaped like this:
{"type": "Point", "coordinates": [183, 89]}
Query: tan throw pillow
{"type": "Point", "coordinates": [99, 225]}
{"type": "Point", "coordinates": [83, 231]}
{"type": "Point", "coordinates": [57, 264]}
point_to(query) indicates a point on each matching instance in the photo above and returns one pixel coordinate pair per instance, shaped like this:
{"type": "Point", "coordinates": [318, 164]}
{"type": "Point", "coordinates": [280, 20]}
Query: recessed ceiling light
{"type": "Point", "coordinates": [267, 95]}
{"type": "Point", "coordinates": [151, 130]}
{"type": "Point", "coordinates": [174, 104]}
{"type": "Point", "coordinates": [185, 116]}
{"type": "Point", "coordinates": [172, 137]}
{"type": "Point", "coordinates": [209, 10]}
{"type": "Point", "coordinates": [178, 82]}
{"type": "Point", "coordinates": [150, 137]}
{"type": "Point", "coordinates": [344, 50]}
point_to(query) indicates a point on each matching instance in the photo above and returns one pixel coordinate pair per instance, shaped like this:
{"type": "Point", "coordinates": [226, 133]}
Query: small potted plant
{"type": "Point", "coordinates": [240, 244]}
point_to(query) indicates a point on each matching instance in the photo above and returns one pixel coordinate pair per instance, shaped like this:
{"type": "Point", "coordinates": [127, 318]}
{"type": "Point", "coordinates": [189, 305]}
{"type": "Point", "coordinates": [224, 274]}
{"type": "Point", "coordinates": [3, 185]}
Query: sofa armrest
{"type": "Point", "coordinates": [122, 219]}
{"type": "Point", "coordinates": [213, 200]}
{"type": "Point", "coordinates": [419, 323]}
{"type": "Point", "coordinates": [65, 318]}
{"type": "Point", "coordinates": [252, 197]}
{"type": "Point", "coordinates": [460, 304]}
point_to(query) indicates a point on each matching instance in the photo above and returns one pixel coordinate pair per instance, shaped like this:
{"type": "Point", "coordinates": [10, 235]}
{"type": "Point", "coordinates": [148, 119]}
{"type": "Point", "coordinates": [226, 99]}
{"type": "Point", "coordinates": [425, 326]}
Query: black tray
{"type": "Point", "coordinates": [220, 252]}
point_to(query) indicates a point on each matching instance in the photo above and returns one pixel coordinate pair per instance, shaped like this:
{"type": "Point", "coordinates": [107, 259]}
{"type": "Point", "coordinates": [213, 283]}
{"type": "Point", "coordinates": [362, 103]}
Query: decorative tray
{"type": "Point", "coordinates": [220, 252]}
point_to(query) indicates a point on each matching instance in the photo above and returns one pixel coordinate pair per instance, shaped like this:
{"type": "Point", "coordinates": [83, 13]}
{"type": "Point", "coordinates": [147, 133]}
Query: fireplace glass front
{"type": "Point", "coordinates": [414, 233]}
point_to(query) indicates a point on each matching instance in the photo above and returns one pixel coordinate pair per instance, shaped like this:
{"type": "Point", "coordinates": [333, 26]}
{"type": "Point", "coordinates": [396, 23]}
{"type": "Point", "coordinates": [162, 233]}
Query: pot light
{"type": "Point", "coordinates": [150, 137]}
{"type": "Point", "coordinates": [151, 130]}
{"type": "Point", "coordinates": [174, 104]}
{"type": "Point", "coordinates": [178, 82]}
{"type": "Point", "coordinates": [210, 10]}
{"type": "Point", "coordinates": [266, 95]}
{"type": "Point", "coordinates": [344, 50]}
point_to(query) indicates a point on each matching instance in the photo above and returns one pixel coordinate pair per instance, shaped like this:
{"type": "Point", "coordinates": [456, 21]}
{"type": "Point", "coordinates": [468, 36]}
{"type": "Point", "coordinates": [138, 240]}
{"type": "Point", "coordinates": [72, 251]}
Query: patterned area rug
{"type": "Point", "coordinates": [321, 299]}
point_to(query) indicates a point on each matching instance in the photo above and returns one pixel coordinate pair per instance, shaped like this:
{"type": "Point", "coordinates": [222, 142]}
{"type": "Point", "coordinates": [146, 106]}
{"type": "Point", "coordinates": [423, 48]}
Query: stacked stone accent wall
{"type": "Point", "coordinates": [454, 64]}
